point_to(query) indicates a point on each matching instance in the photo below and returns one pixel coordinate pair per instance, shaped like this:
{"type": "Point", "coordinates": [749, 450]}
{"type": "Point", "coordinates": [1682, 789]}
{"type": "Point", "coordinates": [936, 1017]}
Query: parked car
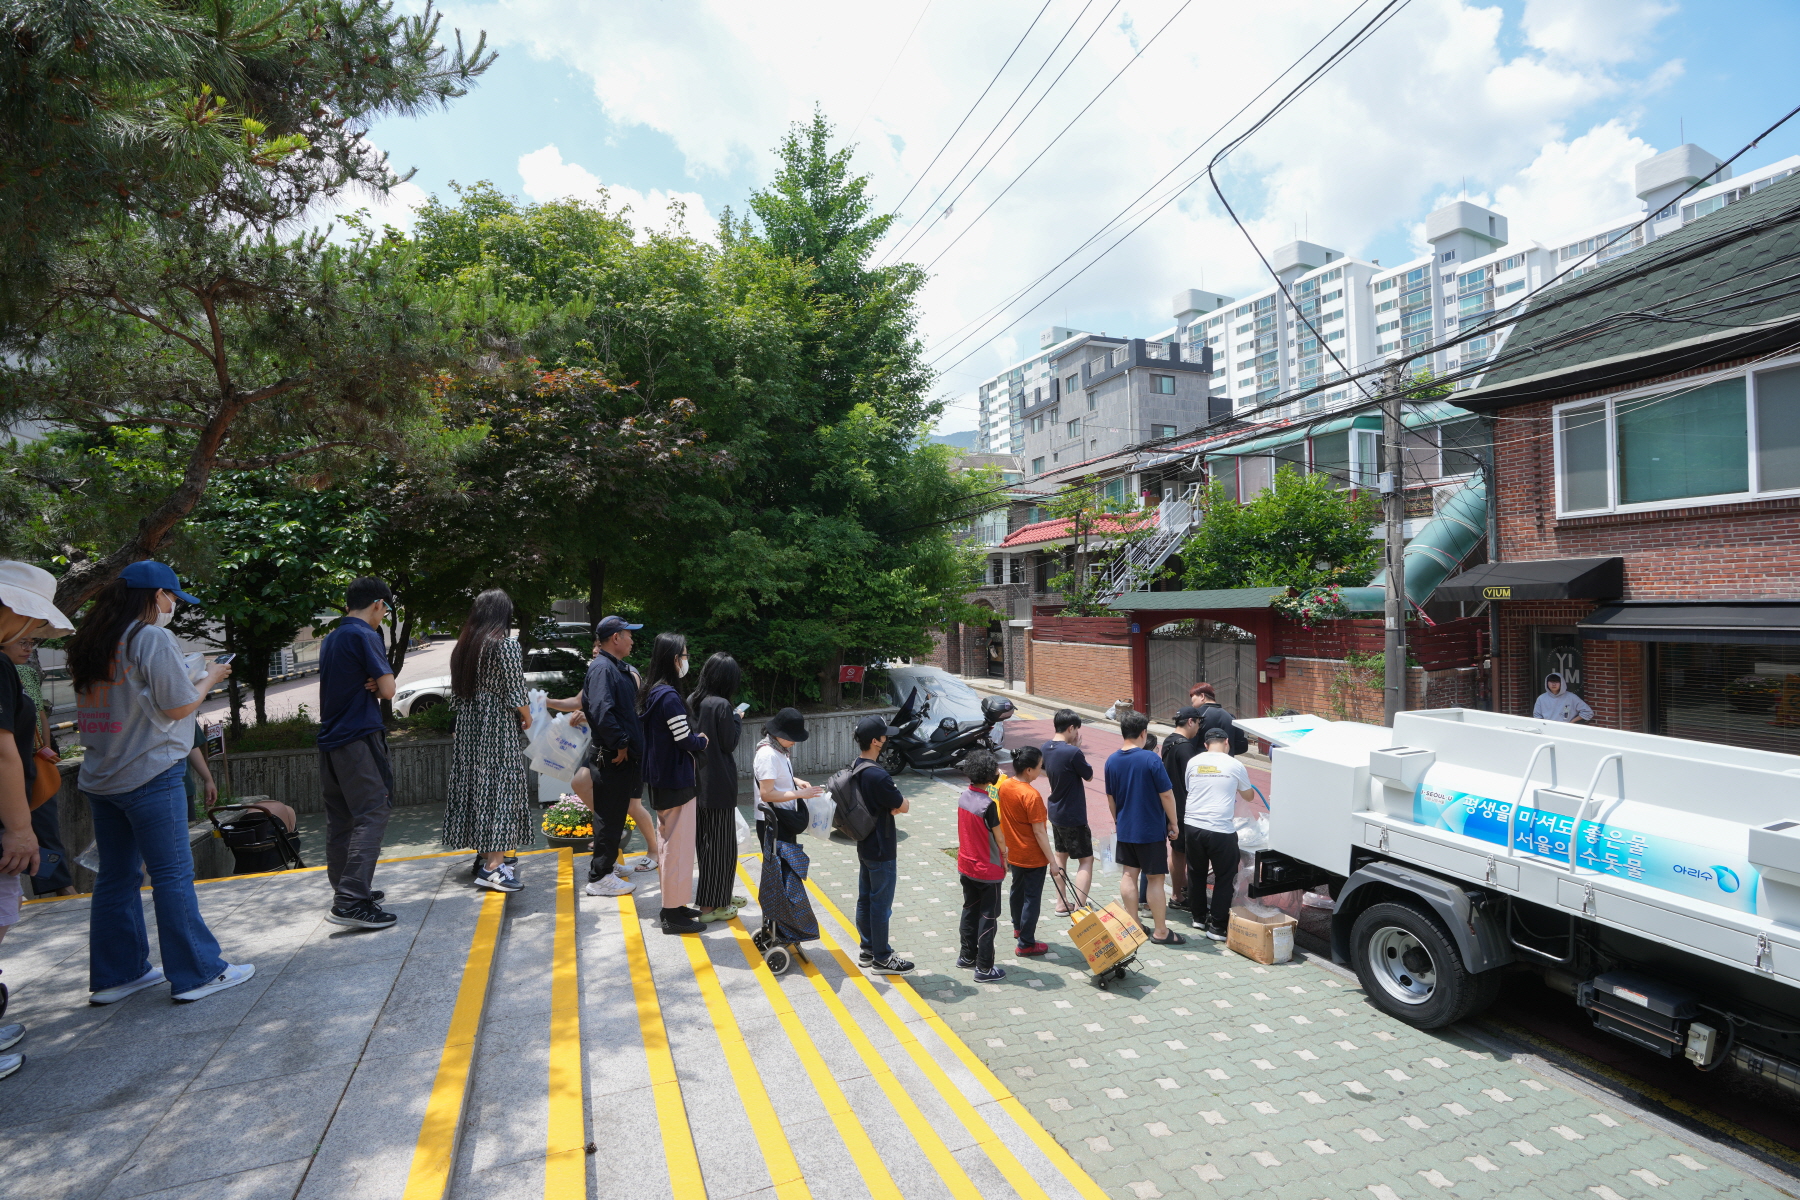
{"type": "Point", "coordinates": [947, 694]}
{"type": "Point", "coordinates": [552, 668]}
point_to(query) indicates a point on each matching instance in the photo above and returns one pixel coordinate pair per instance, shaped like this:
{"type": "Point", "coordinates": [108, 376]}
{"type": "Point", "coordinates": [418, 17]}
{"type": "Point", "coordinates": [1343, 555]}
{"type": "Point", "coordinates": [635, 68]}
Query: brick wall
{"type": "Point", "coordinates": [1615, 685]}
{"type": "Point", "coordinates": [1308, 687]}
{"type": "Point", "coordinates": [1078, 673]}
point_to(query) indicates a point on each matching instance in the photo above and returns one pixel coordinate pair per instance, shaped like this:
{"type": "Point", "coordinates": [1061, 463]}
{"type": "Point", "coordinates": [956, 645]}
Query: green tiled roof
{"type": "Point", "coordinates": [1257, 597]}
{"type": "Point", "coordinates": [1687, 299]}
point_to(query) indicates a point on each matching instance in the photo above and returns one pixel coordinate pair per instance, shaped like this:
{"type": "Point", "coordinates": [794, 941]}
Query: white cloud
{"type": "Point", "coordinates": [545, 176]}
{"type": "Point", "coordinates": [1445, 91]}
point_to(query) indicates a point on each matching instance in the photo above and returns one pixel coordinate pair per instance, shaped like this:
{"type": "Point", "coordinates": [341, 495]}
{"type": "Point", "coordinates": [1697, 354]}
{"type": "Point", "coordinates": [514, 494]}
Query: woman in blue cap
{"type": "Point", "coordinates": [133, 704]}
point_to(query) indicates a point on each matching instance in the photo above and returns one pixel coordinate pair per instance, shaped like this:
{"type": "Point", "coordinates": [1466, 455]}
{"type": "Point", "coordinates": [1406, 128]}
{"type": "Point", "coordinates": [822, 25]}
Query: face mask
{"type": "Point", "coordinates": [681, 668]}
{"type": "Point", "coordinates": [163, 618]}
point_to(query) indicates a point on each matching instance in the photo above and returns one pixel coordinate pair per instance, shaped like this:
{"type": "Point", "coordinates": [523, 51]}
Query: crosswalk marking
{"type": "Point", "coordinates": [565, 1164]}
{"type": "Point", "coordinates": [875, 1175]}
{"type": "Point", "coordinates": [685, 1182]}
{"type": "Point", "coordinates": [778, 1155]}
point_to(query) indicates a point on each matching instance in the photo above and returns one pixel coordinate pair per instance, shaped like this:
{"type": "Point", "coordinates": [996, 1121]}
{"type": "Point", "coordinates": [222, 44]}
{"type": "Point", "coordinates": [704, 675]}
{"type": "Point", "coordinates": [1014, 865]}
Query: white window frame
{"type": "Point", "coordinates": [1756, 491]}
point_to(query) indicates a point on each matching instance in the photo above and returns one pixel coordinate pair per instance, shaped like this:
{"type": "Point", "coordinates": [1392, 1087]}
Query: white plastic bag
{"type": "Point", "coordinates": [560, 752]}
{"type": "Point", "coordinates": [1104, 861]}
{"type": "Point", "coordinates": [821, 811]}
{"type": "Point", "coordinates": [746, 835]}
{"type": "Point", "coordinates": [1252, 832]}
{"type": "Point", "coordinates": [540, 720]}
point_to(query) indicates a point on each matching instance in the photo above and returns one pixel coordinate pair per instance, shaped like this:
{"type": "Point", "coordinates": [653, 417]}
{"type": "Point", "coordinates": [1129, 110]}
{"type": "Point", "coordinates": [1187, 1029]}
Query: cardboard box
{"type": "Point", "coordinates": [1267, 940]}
{"type": "Point", "coordinates": [1106, 937]}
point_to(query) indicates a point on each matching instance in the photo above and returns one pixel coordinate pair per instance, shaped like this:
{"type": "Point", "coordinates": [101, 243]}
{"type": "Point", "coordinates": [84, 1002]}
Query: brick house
{"type": "Point", "coordinates": [1647, 458]}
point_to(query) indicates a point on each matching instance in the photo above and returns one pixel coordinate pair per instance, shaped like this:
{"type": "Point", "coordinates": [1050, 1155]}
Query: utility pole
{"type": "Point", "coordinates": [1393, 510]}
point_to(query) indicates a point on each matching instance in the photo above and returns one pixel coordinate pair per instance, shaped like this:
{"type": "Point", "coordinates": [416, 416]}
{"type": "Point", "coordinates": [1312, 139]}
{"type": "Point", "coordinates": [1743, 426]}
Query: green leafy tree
{"type": "Point", "coordinates": [216, 110]}
{"type": "Point", "coordinates": [1100, 529]}
{"type": "Point", "coordinates": [1303, 532]}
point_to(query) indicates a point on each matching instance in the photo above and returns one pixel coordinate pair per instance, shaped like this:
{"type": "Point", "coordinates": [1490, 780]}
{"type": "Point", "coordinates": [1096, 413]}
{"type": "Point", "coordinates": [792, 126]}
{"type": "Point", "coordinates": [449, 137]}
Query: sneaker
{"type": "Point", "coordinates": [230, 977]}
{"type": "Point", "coordinates": [964, 963]}
{"type": "Point", "coordinates": [865, 959]}
{"type": "Point", "coordinates": [677, 920]}
{"type": "Point", "coordinates": [10, 1063]}
{"type": "Point", "coordinates": [11, 1035]}
{"type": "Point", "coordinates": [892, 965]}
{"type": "Point", "coordinates": [990, 975]}
{"type": "Point", "coordinates": [113, 995]}
{"type": "Point", "coordinates": [611, 885]}
{"type": "Point", "coordinates": [1215, 935]}
{"type": "Point", "coordinates": [498, 880]}
{"type": "Point", "coordinates": [475, 869]}
{"type": "Point", "coordinates": [364, 914]}
{"type": "Point", "coordinates": [1031, 949]}
{"type": "Point", "coordinates": [1179, 905]}
{"type": "Point", "coordinates": [377, 895]}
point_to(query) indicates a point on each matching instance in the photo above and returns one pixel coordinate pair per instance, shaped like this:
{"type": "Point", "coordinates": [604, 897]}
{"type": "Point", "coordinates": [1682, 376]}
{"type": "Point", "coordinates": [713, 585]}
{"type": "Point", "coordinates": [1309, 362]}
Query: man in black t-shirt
{"type": "Point", "coordinates": [1180, 746]}
{"type": "Point", "coordinates": [1067, 767]}
{"type": "Point", "coordinates": [877, 853]}
{"type": "Point", "coordinates": [355, 779]}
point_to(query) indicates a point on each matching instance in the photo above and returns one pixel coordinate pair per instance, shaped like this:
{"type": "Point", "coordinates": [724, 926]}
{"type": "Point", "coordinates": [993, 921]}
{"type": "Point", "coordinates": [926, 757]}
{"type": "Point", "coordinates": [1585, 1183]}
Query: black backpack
{"type": "Point", "coordinates": [854, 819]}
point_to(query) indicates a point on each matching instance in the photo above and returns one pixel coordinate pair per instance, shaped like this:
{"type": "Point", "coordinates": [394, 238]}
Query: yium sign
{"type": "Point", "coordinates": [1691, 855]}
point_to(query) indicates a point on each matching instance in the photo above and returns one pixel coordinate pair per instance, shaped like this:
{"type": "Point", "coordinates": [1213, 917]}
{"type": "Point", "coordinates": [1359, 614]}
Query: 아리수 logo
{"type": "Point", "coordinates": [1725, 877]}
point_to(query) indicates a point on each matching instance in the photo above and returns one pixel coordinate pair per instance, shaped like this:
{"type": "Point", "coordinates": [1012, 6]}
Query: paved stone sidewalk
{"type": "Point", "coordinates": [1207, 1074]}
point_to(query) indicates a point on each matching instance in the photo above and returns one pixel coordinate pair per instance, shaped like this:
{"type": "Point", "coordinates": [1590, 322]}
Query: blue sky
{"type": "Point", "coordinates": [1541, 106]}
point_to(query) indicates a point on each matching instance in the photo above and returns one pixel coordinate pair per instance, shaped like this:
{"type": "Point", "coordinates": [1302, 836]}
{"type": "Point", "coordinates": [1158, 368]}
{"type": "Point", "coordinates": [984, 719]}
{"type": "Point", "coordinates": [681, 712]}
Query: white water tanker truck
{"type": "Point", "coordinates": [1656, 880]}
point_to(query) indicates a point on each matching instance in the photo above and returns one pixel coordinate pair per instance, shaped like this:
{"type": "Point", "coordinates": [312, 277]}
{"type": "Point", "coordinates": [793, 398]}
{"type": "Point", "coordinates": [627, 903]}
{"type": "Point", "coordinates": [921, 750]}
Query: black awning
{"type": "Point", "coordinates": [1752, 622]}
{"type": "Point", "coordinates": [1539, 579]}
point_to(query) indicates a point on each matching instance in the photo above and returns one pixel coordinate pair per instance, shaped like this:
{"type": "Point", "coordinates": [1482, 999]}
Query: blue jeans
{"type": "Point", "coordinates": [874, 907]}
{"type": "Point", "coordinates": [146, 829]}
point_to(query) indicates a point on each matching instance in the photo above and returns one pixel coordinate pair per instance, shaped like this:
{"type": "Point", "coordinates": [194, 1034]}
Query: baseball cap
{"type": "Point", "coordinates": [611, 625]}
{"type": "Point", "coordinates": [152, 574]}
{"type": "Point", "coordinates": [31, 592]}
{"type": "Point", "coordinates": [1184, 715]}
{"type": "Point", "coordinates": [874, 727]}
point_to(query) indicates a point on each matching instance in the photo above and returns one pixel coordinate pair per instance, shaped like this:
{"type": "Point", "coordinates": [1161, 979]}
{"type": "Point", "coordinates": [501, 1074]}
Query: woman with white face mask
{"type": "Point", "coordinates": [134, 704]}
{"type": "Point", "coordinates": [670, 745]}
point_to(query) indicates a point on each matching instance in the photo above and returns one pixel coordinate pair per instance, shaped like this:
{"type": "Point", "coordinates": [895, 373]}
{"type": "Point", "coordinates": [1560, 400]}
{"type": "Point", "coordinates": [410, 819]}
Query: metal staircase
{"type": "Point", "coordinates": [1141, 561]}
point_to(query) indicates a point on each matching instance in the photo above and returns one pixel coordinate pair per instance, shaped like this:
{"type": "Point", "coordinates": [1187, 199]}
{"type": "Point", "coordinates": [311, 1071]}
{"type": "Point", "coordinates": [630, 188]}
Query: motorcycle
{"type": "Point", "coordinates": [948, 742]}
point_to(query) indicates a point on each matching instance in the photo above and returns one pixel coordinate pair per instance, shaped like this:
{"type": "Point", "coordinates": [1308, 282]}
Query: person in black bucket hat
{"type": "Point", "coordinates": [789, 725]}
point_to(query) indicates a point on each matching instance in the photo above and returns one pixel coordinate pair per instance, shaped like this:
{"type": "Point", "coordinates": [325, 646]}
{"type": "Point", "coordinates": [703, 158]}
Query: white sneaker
{"type": "Point", "coordinates": [611, 885]}
{"type": "Point", "coordinates": [113, 995]}
{"type": "Point", "coordinates": [11, 1035]}
{"type": "Point", "coordinates": [10, 1063]}
{"type": "Point", "coordinates": [234, 974]}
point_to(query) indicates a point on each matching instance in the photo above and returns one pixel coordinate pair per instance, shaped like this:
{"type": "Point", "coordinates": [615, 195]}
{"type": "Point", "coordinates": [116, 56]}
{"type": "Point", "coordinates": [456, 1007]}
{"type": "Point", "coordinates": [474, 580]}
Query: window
{"type": "Point", "coordinates": [1162, 385]}
{"type": "Point", "coordinates": [1037, 424]}
{"type": "Point", "coordinates": [1090, 403]}
{"type": "Point", "coordinates": [1072, 384]}
{"type": "Point", "coordinates": [1387, 327]}
{"type": "Point", "coordinates": [1515, 286]}
{"type": "Point", "coordinates": [1685, 444]}
{"type": "Point", "coordinates": [1255, 473]}
{"type": "Point", "coordinates": [1074, 428]}
{"type": "Point", "coordinates": [1447, 256]}
{"type": "Point", "coordinates": [1388, 284]}
{"type": "Point", "coordinates": [1115, 491]}
{"type": "Point", "coordinates": [1333, 336]}
{"type": "Point", "coordinates": [1331, 456]}
{"type": "Point", "coordinates": [1162, 431]}
{"type": "Point", "coordinates": [1336, 314]}
{"type": "Point", "coordinates": [1470, 280]}
{"type": "Point", "coordinates": [1037, 467]}
{"type": "Point", "coordinates": [1778, 429]}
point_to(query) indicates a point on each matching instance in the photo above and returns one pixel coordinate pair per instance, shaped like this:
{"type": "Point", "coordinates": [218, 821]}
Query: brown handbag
{"type": "Point", "coordinates": [48, 780]}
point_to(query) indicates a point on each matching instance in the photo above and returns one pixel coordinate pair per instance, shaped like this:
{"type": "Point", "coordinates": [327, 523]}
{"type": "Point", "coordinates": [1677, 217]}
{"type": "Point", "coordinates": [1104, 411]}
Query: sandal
{"type": "Point", "coordinates": [1174, 939]}
{"type": "Point", "coordinates": [645, 864]}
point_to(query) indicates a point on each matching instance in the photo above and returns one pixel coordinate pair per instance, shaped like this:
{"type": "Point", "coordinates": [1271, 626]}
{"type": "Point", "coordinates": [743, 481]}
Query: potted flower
{"type": "Point", "coordinates": [569, 823]}
{"type": "Point", "coordinates": [1753, 693]}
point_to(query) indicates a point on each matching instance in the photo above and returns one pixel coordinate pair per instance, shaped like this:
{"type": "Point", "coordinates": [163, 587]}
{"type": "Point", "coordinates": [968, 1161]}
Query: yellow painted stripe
{"type": "Point", "coordinates": [875, 1175]}
{"type": "Point", "coordinates": [1009, 1103]}
{"type": "Point", "coordinates": [948, 1169]}
{"type": "Point", "coordinates": [565, 1164]}
{"type": "Point", "coordinates": [778, 1155]}
{"type": "Point", "coordinates": [435, 1152]}
{"type": "Point", "coordinates": [671, 1111]}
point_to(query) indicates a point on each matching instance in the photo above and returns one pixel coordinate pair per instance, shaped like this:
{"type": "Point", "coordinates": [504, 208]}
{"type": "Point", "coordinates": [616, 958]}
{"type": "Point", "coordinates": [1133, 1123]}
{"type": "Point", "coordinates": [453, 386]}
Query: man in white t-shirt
{"type": "Point", "coordinates": [773, 769]}
{"type": "Point", "coordinates": [1215, 783]}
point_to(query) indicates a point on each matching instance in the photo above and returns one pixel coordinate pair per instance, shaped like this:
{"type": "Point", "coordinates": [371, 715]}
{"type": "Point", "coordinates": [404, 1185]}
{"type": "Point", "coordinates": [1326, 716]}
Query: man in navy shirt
{"type": "Point", "coordinates": [354, 775]}
{"type": "Point", "coordinates": [877, 854]}
{"type": "Point", "coordinates": [1067, 767]}
{"type": "Point", "coordinates": [1143, 808]}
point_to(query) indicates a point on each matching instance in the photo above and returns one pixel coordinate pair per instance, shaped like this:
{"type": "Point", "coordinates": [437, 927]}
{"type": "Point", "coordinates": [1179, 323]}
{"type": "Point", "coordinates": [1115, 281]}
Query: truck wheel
{"type": "Point", "coordinates": [1410, 967]}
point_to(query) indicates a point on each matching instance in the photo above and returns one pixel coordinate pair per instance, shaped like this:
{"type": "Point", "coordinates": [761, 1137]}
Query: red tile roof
{"type": "Point", "coordinates": [1050, 531]}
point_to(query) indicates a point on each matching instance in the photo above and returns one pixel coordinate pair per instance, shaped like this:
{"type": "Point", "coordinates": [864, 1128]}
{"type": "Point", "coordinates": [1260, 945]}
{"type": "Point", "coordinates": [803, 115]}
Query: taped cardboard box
{"type": "Point", "coordinates": [1106, 937]}
{"type": "Point", "coordinates": [1267, 939]}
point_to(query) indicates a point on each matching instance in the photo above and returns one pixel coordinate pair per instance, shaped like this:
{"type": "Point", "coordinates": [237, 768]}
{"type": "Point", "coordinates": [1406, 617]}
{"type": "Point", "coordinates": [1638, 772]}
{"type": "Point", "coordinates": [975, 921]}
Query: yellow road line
{"type": "Point", "coordinates": [1009, 1103]}
{"type": "Point", "coordinates": [435, 1152]}
{"type": "Point", "coordinates": [565, 1163]}
{"type": "Point", "coordinates": [948, 1169]}
{"type": "Point", "coordinates": [671, 1112]}
{"type": "Point", "coordinates": [875, 1175]}
{"type": "Point", "coordinates": [778, 1155]}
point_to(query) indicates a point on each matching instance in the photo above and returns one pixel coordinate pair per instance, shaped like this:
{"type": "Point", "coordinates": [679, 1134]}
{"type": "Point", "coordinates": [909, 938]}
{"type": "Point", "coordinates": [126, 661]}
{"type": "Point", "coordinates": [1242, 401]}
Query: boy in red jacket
{"type": "Point", "coordinates": [981, 860]}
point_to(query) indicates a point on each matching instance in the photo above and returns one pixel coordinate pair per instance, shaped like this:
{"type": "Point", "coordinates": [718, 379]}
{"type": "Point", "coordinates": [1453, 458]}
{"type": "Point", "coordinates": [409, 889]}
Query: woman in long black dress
{"type": "Point", "coordinates": [488, 807]}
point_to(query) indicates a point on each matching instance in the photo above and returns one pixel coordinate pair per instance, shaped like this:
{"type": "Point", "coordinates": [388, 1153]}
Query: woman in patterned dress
{"type": "Point", "coordinates": [489, 807]}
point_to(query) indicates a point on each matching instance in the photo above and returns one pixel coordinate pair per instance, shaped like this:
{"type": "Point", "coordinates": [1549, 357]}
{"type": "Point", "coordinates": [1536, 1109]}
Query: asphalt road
{"type": "Point", "coordinates": [286, 699]}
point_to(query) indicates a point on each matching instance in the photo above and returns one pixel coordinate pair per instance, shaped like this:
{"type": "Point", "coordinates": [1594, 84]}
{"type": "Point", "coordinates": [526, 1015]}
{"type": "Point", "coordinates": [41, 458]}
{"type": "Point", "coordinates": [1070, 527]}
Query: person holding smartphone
{"type": "Point", "coordinates": [355, 778]}
{"type": "Point", "coordinates": [716, 835]}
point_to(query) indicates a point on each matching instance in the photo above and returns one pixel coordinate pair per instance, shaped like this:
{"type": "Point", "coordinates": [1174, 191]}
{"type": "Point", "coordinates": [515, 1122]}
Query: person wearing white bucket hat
{"type": "Point", "coordinates": [133, 697]}
{"type": "Point", "coordinates": [27, 606]}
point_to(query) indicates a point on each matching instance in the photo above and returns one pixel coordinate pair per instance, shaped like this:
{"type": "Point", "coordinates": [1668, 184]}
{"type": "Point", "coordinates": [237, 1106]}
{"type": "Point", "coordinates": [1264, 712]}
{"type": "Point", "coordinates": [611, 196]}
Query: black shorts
{"type": "Point", "coordinates": [662, 799]}
{"type": "Point", "coordinates": [1076, 841]}
{"type": "Point", "coordinates": [1152, 858]}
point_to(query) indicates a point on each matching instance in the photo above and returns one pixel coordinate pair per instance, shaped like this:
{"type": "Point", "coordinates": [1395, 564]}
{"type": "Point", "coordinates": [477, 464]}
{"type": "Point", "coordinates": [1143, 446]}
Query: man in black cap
{"type": "Point", "coordinates": [609, 701]}
{"type": "Point", "coordinates": [1177, 749]}
{"type": "Point", "coordinates": [877, 853]}
{"type": "Point", "coordinates": [354, 774]}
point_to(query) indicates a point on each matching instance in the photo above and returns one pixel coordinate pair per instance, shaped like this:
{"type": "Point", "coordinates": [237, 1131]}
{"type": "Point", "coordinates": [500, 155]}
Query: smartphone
{"type": "Point", "coordinates": [741, 709]}
{"type": "Point", "coordinates": [223, 659]}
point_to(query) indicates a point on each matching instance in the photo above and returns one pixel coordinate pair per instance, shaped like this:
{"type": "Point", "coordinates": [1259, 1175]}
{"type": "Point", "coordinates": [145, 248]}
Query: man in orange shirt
{"type": "Point", "coordinates": [1025, 825]}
